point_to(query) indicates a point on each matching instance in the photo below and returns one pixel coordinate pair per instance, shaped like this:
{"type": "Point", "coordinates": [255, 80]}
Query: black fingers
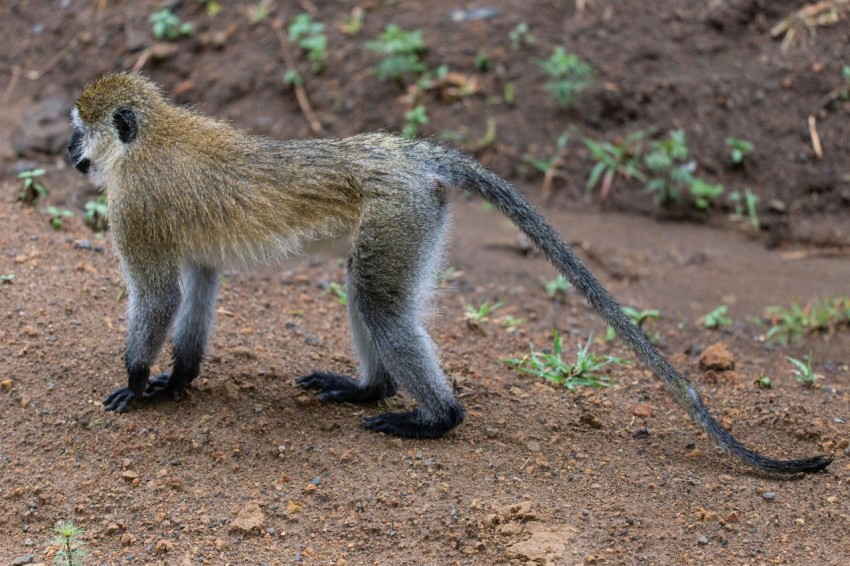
{"type": "Point", "coordinates": [415, 424]}
{"type": "Point", "coordinates": [119, 400]}
{"type": "Point", "coordinates": [342, 388]}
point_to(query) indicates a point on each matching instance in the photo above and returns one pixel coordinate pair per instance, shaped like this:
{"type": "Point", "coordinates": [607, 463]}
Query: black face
{"type": "Point", "coordinates": [75, 152]}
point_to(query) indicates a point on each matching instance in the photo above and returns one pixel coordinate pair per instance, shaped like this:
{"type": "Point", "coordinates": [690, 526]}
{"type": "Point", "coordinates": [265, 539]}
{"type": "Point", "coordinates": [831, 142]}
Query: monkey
{"type": "Point", "coordinates": [190, 195]}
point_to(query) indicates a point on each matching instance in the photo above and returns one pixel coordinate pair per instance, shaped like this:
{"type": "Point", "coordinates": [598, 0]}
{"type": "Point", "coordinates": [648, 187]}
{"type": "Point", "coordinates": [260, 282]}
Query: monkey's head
{"type": "Point", "coordinates": [109, 118]}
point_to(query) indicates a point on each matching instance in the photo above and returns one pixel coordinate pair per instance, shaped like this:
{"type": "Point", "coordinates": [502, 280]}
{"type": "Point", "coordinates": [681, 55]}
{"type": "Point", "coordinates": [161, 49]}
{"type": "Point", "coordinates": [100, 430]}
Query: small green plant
{"type": "Point", "coordinates": [56, 215]}
{"type": "Point", "coordinates": [717, 318]}
{"type": "Point", "coordinates": [7, 277]}
{"type": "Point", "coordinates": [510, 322]}
{"type": "Point", "coordinates": [585, 371]}
{"type": "Point", "coordinates": [480, 314]}
{"type": "Point", "coordinates": [259, 12]}
{"type": "Point", "coordinates": [568, 75]}
{"type": "Point", "coordinates": [447, 274]}
{"type": "Point", "coordinates": [560, 285]}
{"type": "Point", "coordinates": [483, 62]}
{"type": "Point", "coordinates": [803, 372]}
{"type": "Point", "coordinates": [508, 94]}
{"type": "Point", "coordinates": [68, 539]}
{"type": "Point", "coordinates": [310, 36]}
{"type": "Point", "coordinates": [788, 324]}
{"type": "Point", "coordinates": [614, 159]}
{"type": "Point", "coordinates": [31, 190]}
{"type": "Point", "coordinates": [672, 174]}
{"type": "Point", "coordinates": [95, 214]}
{"type": "Point", "coordinates": [746, 202]}
{"type": "Point", "coordinates": [165, 24]}
{"type": "Point", "coordinates": [520, 36]}
{"type": "Point", "coordinates": [213, 6]}
{"type": "Point", "coordinates": [738, 149]}
{"type": "Point", "coordinates": [844, 94]}
{"type": "Point", "coordinates": [402, 51]}
{"type": "Point", "coordinates": [763, 382]}
{"type": "Point", "coordinates": [550, 164]}
{"type": "Point", "coordinates": [413, 119]}
{"type": "Point", "coordinates": [339, 291]}
{"type": "Point", "coordinates": [638, 317]}
{"type": "Point", "coordinates": [354, 22]}
{"type": "Point", "coordinates": [489, 136]}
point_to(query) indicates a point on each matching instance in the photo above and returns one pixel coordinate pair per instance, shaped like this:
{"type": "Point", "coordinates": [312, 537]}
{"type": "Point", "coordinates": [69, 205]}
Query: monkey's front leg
{"type": "Point", "coordinates": [199, 288]}
{"type": "Point", "coordinates": [152, 305]}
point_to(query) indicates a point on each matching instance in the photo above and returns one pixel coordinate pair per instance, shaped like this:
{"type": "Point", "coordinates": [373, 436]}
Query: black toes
{"type": "Point", "coordinates": [165, 383]}
{"type": "Point", "coordinates": [119, 400]}
{"type": "Point", "coordinates": [415, 424]}
{"type": "Point", "coordinates": [343, 388]}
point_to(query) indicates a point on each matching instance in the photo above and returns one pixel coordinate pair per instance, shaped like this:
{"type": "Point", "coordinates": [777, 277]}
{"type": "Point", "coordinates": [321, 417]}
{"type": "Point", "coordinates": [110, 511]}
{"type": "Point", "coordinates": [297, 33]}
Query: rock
{"type": "Point", "coordinates": [162, 51]}
{"type": "Point", "coordinates": [293, 507]}
{"type": "Point", "coordinates": [590, 420]}
{"type": "Point", "coordinates": [243, 353]}
{"type": "Point", "coordinates": [44, 127]}
{"type": "Point", "coordinates": [473, 14]}
{"type": "Point", "coordinates": [717, 357]}
{"type": "Point", "coordinates": [129, 475]}
{"type": "Point", "coordinates": [703, 540]}
{"type": "Point", "coordinates": [135, 38]}
{"type": "Point", "coordinates": [163, 545]}
{"type": "Point", "coordinates": [545, 546]}
{"type": "Point", "coordinates": [768, 495]}
{"type": "Point", "coordinates": [516, 511]}
{"type": "Point", "coordinates": [24, 559]}
{"type": "Point", "coordinates": [729, 377]}
{"type": "Point", "coordinates": [6, 384]}
{"type": "Point", "coordinates": [642, 410]}
{"type": "Point", "coordinates": [250, 518]}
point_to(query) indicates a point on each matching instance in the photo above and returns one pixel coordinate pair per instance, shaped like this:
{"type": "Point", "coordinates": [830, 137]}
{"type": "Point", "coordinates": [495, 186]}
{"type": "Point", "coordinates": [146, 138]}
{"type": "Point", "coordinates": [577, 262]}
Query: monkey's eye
{"type": "Point", "coordinates": [125, 124]}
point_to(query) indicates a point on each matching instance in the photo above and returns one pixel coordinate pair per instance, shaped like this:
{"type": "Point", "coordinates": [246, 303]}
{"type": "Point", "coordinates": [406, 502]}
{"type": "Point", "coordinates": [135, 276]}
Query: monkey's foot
{"type": "Point", "coordinates": [119, 400]}
{"type": "Point", "coordinates": [415, 424]}
{"type": "Point", "coordinates": [165, 383]}
{"type": "Point", "coordinates": [342, 388]}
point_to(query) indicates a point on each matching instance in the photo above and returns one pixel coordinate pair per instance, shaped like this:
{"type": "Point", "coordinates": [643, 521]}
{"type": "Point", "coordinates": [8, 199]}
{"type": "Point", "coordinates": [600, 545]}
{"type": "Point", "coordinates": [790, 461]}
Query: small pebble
{"type": "Point", "coordinates": [768, 495]}
{"type": "Point", "coordinates": [21, 560]}
{"type": "Point", "coordinates": [703, 540]}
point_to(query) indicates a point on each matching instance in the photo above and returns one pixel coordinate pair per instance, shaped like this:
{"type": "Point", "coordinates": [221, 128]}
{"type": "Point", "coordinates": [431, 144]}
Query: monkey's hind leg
{"type": "Point", "coordinates": [375, 383]}
{"type": "Point", "coordinates": [393, 270]}
{"type": "Point", "coordinates": [194, 322]}
{"type": "Point", "coordinates": [152, 306]}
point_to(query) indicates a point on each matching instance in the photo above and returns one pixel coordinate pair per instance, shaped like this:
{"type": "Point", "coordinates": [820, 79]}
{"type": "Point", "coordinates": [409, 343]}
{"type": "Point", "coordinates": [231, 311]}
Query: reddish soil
{"type": "Point", "coordinates": [537, 473]}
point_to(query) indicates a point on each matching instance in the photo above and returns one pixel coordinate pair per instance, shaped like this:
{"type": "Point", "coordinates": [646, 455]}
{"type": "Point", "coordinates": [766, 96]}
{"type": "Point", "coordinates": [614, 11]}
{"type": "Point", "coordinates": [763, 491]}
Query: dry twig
{"type": "Point", "coordinates": [799, 26]}
{"type": "Point", "coordinates": [300, 92]}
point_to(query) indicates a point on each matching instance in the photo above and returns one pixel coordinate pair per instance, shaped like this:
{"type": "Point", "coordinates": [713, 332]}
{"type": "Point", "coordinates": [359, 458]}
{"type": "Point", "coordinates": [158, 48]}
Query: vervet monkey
{"type": "Point", "coordinates": [189, 196]}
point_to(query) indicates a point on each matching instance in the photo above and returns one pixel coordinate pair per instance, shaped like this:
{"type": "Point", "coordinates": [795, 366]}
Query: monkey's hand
{"type": "Point", "coordinates": [169, 383]}
{"type": "Point", "coordinates": [119, 400]}
{"type": "Point", "coordinates": [343, 388]}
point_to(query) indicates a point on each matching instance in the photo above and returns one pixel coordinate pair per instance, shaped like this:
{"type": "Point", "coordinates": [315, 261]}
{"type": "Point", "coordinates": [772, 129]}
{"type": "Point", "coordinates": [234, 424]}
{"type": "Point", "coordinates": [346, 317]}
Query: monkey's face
{"type": "Point", "coordinates": [91, 144]}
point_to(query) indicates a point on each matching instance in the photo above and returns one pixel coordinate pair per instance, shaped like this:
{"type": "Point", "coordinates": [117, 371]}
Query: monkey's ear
{"type": "Point", "coordinates": [125, 124]}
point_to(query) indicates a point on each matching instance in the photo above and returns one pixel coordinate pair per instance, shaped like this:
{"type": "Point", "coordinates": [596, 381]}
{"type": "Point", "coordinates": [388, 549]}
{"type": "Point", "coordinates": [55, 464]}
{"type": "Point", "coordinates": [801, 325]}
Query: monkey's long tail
{"type": "Point", "coordinates": [470, 175]}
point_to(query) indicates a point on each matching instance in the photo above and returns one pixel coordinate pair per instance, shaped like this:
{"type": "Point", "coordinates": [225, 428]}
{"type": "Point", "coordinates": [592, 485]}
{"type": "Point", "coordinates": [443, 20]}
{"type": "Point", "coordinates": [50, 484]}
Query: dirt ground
{"type": "Point", "coordinates": [249, 469]}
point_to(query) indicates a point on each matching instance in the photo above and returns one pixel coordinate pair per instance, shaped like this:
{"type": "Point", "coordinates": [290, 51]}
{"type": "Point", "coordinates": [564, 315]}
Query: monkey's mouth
{"type": "Point", "coordinates": [83, 166]}
{"type": "Point", "coordinates": [75, 153]}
